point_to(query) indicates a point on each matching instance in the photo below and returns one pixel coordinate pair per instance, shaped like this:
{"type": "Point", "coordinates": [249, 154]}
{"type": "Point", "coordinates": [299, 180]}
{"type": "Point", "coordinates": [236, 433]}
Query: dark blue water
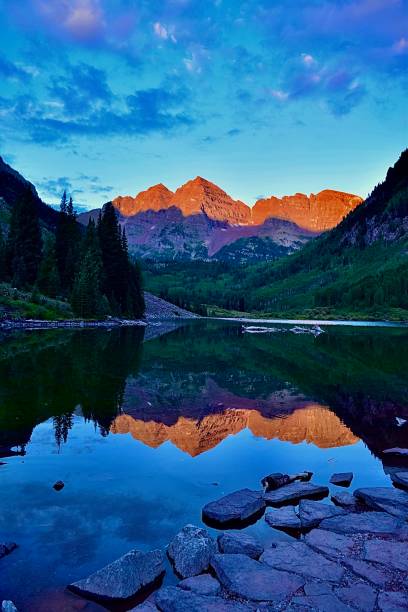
{"type": "Point", "coordinates": [144, 433]}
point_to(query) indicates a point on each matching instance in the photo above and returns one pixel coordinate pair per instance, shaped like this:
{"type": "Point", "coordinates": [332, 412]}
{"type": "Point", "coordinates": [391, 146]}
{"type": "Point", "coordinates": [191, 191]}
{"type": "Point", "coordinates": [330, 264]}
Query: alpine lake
{"type": "Point", "coordinates": [146, 426]}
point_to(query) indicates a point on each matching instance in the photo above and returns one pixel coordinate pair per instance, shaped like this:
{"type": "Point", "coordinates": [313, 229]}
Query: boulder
{"type": "Point", "coordinates": [240, 543]}
{"type": "Point", "coordinates": [387, 552]}
{"type": "Point", "coordinates": [191, 551]}
{"type": "Point", "coordinates": [400, 479]}
{"type": "Point", "coordinates": [333, 544]}
{"type": "Point", "coordinates": [203, 585]}
{"type": "Point", "coordinates": [299, 558]}
{"type": "Point", "coordinates": [360, 596]}
{"type": "Point", "coordinates": [364, 522]}
{"type": "Point", "coordinates": [342, 479]}
{"type": "Point", "coordinates": [6, 548]}
{"type": "Point", "coordinates": [294, 492]}
{"type": "Point", "coordinates": [173, 599]}
{"type": "Point", "coordinates": [255, 581]}
{"type": "Point", "coordinates": [388, 499]}
{"type": "Point", "coordinates": [58, 485]}
{"type": "Point", "coordinates": [235, 508]}
{"type": "Point", "coordinates": [146, 606]}
{"type": "Point", "coordinates": [311, 513]}
{"type": "Point", "coordinates": [346, 500]}
{"type": "Point", "coordinates": [392, 602]}
{"type": "Point", "coordinates": [8, 606]}
{"type": "Point", "coordinates": [124, 578]}
{"type": "Point", "coordinates": [283, 518]}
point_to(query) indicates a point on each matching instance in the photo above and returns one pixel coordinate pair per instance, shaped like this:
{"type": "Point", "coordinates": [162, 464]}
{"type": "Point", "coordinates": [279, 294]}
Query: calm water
{"type": "Point", "coordinates": [145, 431]}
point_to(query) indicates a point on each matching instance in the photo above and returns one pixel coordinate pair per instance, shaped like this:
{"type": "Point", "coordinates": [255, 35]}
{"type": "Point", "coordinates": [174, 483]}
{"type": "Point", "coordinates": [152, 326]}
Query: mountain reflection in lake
{"type": "Point", "coordinates": [143, 434]}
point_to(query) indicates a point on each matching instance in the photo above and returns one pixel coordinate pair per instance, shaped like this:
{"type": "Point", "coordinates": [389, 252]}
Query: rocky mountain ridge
{"type": "Point", "coordinates": [315, 213]}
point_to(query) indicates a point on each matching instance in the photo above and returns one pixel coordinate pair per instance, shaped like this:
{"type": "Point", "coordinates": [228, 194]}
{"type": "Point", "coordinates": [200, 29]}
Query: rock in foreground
{"type": "Point", "coordinates": [365, 522]}
{"type": "Point", "coordinates": [8, 606]}
{"type": "Point", "coordinates": [173, 599]}
{"type": "Point", "coordinates": [203, 585]}
{"type": "Point", "coordinates": [234, 543]}
{"type": "Point", "coordinates": [238, 507]}
{"type": "Point", "coordinates": [387, 499]}
{"type": "Point", "coordinates": [124, 578]}
{"type": "Point", "coordinates": [342, 479]}
{"type": "Point", "coordinates": [400, 479]}
{"type": "Point", "coordinates": [311, 513]}
{"type": "Point", "coordinates": [283, 518]}
{"type": "Point", "coordinates": [294, 492]}
{"type": "Point", "coordinates": [191, 551]}
{"type": "Point", "coordinates": [255, 581]}
{"type": "Point", "coordinates": [299, 558]}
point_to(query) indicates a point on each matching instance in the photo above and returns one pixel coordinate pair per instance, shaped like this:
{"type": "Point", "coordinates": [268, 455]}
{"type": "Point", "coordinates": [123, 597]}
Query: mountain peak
{"type": "Point", "coordinates": [155, 198]}
{"type": "Point", "coordinates": [317, 212]}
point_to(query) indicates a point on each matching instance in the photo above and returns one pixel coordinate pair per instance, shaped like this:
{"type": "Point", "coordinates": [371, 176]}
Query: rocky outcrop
{"type": "Point", "coordinates": [234, 543]}
{"type": "Point", "coordinates": [124, 578]}
{"type": "Point", "coordinates": [191, 551]}
{"type": "Point", "coordinates": [294, 492]}
{"type": "Point", "coordinates": [316, 213]}
{"type": "Point", "coordinates": [236, 508]}
{"type": "Point", "coordinates": [385, 499]}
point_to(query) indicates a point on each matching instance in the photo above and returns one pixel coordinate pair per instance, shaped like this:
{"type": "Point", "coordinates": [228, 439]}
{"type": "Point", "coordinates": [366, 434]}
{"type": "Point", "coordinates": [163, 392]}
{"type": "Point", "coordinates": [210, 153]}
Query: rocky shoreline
{"type": "Point", "coordinates": [347, 555]}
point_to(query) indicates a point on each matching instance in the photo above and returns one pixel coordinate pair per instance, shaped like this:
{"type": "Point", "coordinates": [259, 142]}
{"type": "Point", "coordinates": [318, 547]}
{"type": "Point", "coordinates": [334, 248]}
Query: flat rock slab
{"type": "Point", "coordinates": [360, 596]}
{"type": "Point", "coordinates": [283, 518]}
{"type": "Point", "coordinates": [311, 513]}
{"type": "Point", "coordinates": [6, 548]}
{"type": "Point", "coordinates": [173, 599]}
{"type": "Point", "coordinates": [335, 545]}
{"type": "Point", "coordinates": [403, 452]}
{"type": "Point", "coordinates": [392, 602]}
{"type": "Point", "coordinates": [294, 492]}
{"type": "Point", "coordinates": [191, 551]}
{"type": "Point", "coordinates": [233, 543]}
{"type": "Point", "coordinates": [368, 571]}
{"type": "Point", "coordinates": [203, 585]}
{"type": "Point", "coordinates": [342, 479]}
{"type": "Point", "coordinates": [389, 553]}
{"type": "Point", "coordinates": [321, 603]}
{"type": "Point", "coordinates": [365, 522]}
{"type": "Point", "coordinates": [255, 581]}
{"type": "Point", "coordinates": [387, 499]}
{"type": "Point", "coordinates": [237, 507]}
{"type": "Point", "coordinates": [400, 479]}
{"type": "Point", "coordinates": [124, 578]}
{"type": "Point", "coordinates": [146, 606]}
{"type": "Point", "coordinates": [299, 558]}
{"type": "Point", "coordinates": [346, 500]}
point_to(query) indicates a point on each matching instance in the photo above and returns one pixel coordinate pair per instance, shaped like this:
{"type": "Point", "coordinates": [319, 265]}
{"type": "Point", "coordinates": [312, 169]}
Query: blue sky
{"type": "Point", "coordinates": [108, 97]}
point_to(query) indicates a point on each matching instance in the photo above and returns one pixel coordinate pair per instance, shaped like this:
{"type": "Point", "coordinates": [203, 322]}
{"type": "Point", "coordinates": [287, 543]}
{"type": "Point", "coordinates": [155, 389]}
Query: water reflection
{"type": "Point", "coordinates": [204, 382]}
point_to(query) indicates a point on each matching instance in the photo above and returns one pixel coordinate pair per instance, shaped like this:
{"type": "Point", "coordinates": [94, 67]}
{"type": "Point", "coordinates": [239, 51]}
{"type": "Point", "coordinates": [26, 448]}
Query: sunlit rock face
{"type": "Point", "coordinates": [316, 213]}
{"type": "Point", "coordinates": [313, 424]}
{"type": "Point", "coordinates": [155, 198]}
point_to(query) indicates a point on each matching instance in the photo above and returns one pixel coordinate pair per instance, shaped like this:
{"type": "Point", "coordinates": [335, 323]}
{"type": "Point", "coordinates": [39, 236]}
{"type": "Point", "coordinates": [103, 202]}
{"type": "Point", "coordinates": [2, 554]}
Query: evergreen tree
{"type": "Point", "coordinates": [48, 278]}
{"type": "Point", "coordinates": [87, 299]}
{"type": "Point", "coordinates": [67, 241]}
{"type": "Point", "coordinates": [24, 243]}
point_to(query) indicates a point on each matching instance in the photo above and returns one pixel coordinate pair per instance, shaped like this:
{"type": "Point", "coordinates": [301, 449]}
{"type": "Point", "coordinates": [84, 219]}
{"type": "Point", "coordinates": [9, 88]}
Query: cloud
{"type": "Point", "coordinates": [10, 70]}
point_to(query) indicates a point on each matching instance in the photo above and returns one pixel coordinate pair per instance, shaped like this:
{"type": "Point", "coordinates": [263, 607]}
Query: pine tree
{"type": "Point", "coordinates": [3, 269]}
{"type": "Point", "coordinates": [114, 260]}
{"type": "Point", "coordinates": [67, 241]}
{"type": "Point", "coordinates": [87, 299]}
{"type": "Point", "coordinates": [48, 278]}
{"type": "Point", "coordinates": [24, 243]}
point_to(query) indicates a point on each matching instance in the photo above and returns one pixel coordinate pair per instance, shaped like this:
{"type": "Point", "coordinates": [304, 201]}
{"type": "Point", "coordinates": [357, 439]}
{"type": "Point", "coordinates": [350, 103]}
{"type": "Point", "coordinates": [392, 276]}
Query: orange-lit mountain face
{"type": "Point", "coordinates": [313, 424]}
{"type": "Point", "coordinates": [316, 213]}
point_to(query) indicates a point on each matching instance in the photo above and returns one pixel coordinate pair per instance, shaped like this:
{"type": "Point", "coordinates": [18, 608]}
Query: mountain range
{"type": "Point", "coordinates": [357, 269]}
{"type": "Point", "coordinates": [201, 221]}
